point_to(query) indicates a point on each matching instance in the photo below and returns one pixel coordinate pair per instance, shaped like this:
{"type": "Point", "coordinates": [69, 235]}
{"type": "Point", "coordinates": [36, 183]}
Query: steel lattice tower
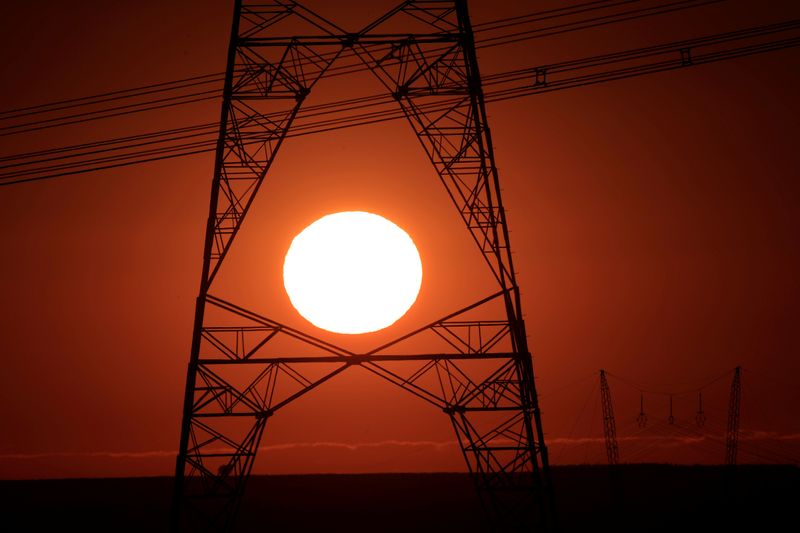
{"type": "Point", "coordinates": [734, 405]}
{"type": "Point", "coordinates": [609, 422]}
{"type": "Point", "coordinates": [480, 373]}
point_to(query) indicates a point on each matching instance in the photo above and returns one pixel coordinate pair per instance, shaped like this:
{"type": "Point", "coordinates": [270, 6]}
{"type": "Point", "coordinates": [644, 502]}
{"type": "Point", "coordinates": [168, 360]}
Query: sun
{"type": "Point", "coordinates": [352, 272]}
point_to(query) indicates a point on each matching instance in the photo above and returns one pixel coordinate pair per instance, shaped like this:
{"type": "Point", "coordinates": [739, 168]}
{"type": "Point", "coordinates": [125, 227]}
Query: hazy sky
{"type": "Point", "coordinates": [654, 222]}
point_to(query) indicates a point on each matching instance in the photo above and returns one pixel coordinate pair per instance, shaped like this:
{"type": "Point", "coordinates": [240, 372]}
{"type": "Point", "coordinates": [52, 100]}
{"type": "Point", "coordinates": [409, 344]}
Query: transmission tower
{"type": "Point", "coordinates": [641, 418]}
{"type": "Point", "coordinates": [480, 373]}
{"type": "Point", "coordinates": [670, 418]}
{"type": "Point", "coordinates": [732, 435]}
{"type": "Point", "coordinates": [609, 423]}
{"type": "Point", "coordinates": [700, 416]}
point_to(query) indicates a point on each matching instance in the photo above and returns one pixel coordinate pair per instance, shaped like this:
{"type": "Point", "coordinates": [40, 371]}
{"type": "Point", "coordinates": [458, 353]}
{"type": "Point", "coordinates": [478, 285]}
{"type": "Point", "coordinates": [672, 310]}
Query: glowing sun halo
{"type": "Point", "coordinates": [352, 272]}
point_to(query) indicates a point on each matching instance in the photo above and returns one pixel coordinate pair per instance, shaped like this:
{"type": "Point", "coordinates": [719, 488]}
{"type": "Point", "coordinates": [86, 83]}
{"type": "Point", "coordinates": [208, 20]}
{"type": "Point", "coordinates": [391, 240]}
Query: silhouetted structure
{"type": "Point", "coordinates": [672, 425]}
{"type": "Point", "coordinates": [609, 423]}
{"type": "Point", "coordinates": [700, 416]}
{"type": "Point", "coordinates": [480, 374]}
{"type": "Point", "coordinates": [671, 417]}
{"type": "Point", "coordinates": [641, 418]}
{"type": "Point", "coordinates": [732, 435]}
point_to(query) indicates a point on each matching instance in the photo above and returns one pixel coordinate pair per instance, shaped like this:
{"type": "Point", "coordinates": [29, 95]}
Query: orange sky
{"type": "Point", "coordinates": [654, 222]}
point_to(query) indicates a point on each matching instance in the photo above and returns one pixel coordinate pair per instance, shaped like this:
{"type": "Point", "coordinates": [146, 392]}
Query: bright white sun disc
{"type": "Point", "coordinates": [352, 272]}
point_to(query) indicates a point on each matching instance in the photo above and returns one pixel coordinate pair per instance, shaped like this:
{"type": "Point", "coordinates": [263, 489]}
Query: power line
{"type": "Point", "coordinates": [640, 388]}
{"type": "Point", "coordinates": [712, 437]}
{"type": "Point", "coordinates": [108, 142]}
{"type": "Point", "coordinates": [548, 14]}
{"type": "Point", "coordinates": [113, 95]}
{"type": "Point", "coordinates": [118, 111]}
{"type": "Point", "coordinates": [373, 109]}
{"type": "Point", "coordinates": [349, 68]}
{"type": "Point", "coordinates": [595, 22]}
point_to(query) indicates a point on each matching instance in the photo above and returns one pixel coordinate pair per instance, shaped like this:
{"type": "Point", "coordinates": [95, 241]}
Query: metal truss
{"type": "Point", "coordinates": [609, 422]}
{"type": "Point", "coordinates": [476, 367]}
{"type": "Point", "coordinates": [734, 407]}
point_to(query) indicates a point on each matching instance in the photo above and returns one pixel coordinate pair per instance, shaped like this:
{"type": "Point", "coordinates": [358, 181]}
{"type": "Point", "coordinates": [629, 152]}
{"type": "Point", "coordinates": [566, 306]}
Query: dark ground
{"type": "Point", "coordinates": [589, 498]}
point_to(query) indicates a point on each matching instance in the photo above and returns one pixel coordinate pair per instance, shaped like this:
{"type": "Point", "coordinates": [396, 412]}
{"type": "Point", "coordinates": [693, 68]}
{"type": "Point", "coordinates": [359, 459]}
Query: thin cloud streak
{"type": "Point", "coordinates": [361, 445]}
{"type": "Point", "coordinates": [670, 440]}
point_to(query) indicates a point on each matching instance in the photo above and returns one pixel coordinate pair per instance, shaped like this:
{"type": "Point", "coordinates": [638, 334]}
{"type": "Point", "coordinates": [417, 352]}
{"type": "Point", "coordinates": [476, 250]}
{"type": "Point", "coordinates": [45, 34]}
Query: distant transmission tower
{"type": "Point", "coordinates": [609, 423]}
{"type": "Point", "coordinates": [641, 418]}
{"type": "Point", "coordinates": [700, 416]}
{"type": "Point", "coordinates": [479, 371]}
{"type": "Point", "coordinates": [732, 435]}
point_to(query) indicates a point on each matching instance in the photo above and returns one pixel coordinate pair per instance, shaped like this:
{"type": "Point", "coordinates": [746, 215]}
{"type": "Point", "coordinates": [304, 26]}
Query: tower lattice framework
{"type": "Point", "coordinates": [479, 370]}
{"type": "Point", "coordinates": [734, 408]}
{"type": "Point", "coordinates": [609, 422]}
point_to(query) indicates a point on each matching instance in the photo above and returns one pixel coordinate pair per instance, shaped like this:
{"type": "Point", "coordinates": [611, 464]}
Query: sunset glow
{"type": "Point", "coordinates": [352, 272]}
